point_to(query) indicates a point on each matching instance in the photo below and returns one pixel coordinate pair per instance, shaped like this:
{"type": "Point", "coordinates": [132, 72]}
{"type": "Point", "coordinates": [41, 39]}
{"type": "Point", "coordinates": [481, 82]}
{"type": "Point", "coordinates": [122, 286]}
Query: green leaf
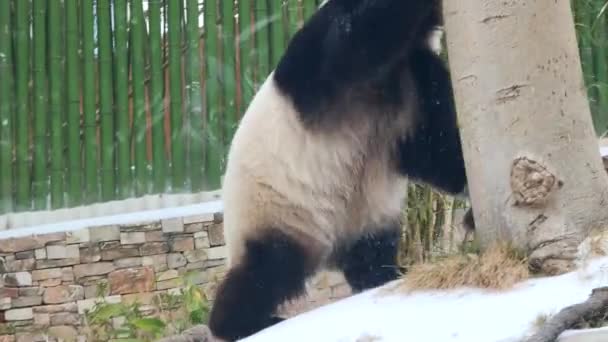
{"type": "Point", "coordinates": [105, 311]}
{"type": "Point", "coordinates": [152, 325]}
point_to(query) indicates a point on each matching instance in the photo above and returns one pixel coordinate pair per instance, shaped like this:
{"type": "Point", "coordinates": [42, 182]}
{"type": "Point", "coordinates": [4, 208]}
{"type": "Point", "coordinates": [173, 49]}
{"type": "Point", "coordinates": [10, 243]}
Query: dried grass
{"type": "Point", "coordinates": [498, 267]}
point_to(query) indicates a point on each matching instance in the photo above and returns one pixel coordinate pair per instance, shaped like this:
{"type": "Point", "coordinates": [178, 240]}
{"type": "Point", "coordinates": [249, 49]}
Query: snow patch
{"type": "Point", "coordinates": [604, 151]}
{"type": "Point", "coordinates": [461, 315]}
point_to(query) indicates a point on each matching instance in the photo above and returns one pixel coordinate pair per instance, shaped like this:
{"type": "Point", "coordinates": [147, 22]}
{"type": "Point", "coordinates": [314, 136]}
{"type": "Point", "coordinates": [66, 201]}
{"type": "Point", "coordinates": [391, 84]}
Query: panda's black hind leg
{"type": "Point", "coordinates": [273, 270]}
{"type": "Point", "coordinates": [372, 260]}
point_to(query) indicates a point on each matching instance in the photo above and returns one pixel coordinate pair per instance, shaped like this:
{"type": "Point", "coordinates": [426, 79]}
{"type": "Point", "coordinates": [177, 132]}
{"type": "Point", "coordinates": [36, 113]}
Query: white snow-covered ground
{"type": "Point", "coordinates": [463, 315]}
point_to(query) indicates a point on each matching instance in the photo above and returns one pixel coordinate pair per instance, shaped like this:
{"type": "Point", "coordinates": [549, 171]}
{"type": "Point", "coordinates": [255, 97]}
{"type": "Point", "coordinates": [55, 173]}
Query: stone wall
{"type": "Point", "coordinates": [48, 281]}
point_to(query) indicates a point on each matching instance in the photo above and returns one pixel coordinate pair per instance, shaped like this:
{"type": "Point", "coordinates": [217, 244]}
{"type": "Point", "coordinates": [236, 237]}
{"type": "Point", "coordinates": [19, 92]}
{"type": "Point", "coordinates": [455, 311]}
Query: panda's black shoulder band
{"type": "Point", "coordinates": [347, 42]}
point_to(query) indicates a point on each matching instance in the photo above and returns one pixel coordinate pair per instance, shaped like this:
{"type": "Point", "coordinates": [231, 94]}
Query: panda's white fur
{"type": "Point", "coordinates": [324, 187]}
{"type": "Point", "coordinates": [316, 171]}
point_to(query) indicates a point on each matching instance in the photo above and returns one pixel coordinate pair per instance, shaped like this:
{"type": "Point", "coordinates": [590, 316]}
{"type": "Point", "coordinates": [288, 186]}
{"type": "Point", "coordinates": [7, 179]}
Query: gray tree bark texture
{"type": "Point", "coordinates": [536, 177]}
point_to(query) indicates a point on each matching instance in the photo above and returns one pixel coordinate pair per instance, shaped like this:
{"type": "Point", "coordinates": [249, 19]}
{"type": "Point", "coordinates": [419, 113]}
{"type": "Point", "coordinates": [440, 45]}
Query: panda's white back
{"type": "Point", "coordinates": [322, 187]}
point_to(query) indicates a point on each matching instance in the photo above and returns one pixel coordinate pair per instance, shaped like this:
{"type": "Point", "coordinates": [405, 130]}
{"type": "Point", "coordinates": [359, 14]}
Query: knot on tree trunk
{"type": "Point", "coordinates": [531, 182]}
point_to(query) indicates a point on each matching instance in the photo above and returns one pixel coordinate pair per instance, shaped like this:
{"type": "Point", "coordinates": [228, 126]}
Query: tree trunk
{"type": "Point", "coordinates": [536, 177]}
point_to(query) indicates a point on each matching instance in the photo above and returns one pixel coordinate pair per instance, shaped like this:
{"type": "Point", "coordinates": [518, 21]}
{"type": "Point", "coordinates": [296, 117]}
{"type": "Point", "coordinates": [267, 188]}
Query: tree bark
{"type": "Point", "coordinates": [536, 177]}
{"type": "Point", "coordinates": [594, 307]}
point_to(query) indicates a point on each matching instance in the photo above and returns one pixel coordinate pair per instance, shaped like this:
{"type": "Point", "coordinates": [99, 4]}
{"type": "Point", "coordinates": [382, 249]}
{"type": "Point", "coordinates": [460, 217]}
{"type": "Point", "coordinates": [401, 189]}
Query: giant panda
{"type": "Point", "coordinates": [315, 173]}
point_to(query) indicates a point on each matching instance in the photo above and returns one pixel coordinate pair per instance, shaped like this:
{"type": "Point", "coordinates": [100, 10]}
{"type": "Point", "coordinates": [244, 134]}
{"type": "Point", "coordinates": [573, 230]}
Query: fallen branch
{"type": "Point", "coordinates": [597, 303]}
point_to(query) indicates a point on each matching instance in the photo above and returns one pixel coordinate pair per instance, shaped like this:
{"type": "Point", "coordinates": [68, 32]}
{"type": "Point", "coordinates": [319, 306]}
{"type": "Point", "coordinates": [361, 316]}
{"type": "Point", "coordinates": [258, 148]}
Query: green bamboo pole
{"type": "Point", "coordinates": [278, 31]}
{"type": "Point", "coordinates": [309, 8]}
{"type": "Point", "coordinates": [89, 101]}
{"type": "Point", "coordinates": [175, 82]}
{"type": "Point", "coordinates": [600, 55]}
{"type": "Point", "coordinates": [584, 21]}
{"type": "Point", "coordinates": [40, 187]}
{"type": "Point", "coordinates": [6, 108]}
{"type": "Point", "coordinates": [139, 98]}
{"type": "Point", "coordinates": [186, 84]}
{"type": "Point", "coordinates": [121, 91]}
{"type": "Point", "coordinates": [262, 41]}
{"type": "Point", "coordinates": [214, 151]}
{"type": "Point", "coordinates": [106, 101]}
{"type": "Point", "coordinates": [195, 108]}
{"type": "Point", "coordinates": [75, 190]}
{"type": "Point", "coordinates": [159, 159]}
{"type": "Point", "coordinates": [247, 51]}
{"type": "Point", "coordinates": [22, 67]}
{"type": "Point", "coordinates": [292, 12]}
{"type": "Point", "coordinates": [582, 12]}
{"type": "Point", "coordinates": [229, 70]}
{"type": "Point", "coordinates": [56, 108]}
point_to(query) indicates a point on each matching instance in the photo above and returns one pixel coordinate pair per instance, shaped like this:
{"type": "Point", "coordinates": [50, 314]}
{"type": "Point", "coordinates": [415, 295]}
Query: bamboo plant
{"type": "Point", "coordinates": [39, 181]}
{"type": "Point", "coordinates": [73, 104]}
{"type": "Point", "coordinates": [56, 103]}
{"type": "Point", "coordinates": [121, 100]}
{"type": "Point", "coordinates": [309, 8]}
{"type": "Point", "coordinates": [106, 100]}
{"type": "Point", "coordinates": [600, 61]}
{"type": "Point", "coordinates": [6, 108]}
{"type": "Point", "coordinates": [159, 159]}
{"type": "Point", "coordinates": [175, 94]}
{"type": "Point", "coordinates": [139, 131]}
{"type": "Point", "coordinates": [278, 30]}
{"type": "Point", "coordinates": [228, 70]}
{"type": "Point", "coordinates": [247, 52]}
{"type": "Point", "coordinates": [89, 103]}
{"type": "Point", "coordinates": [262, 40]}
{"type": "Point", "coordinates": [214, 151]}
{"type": "Point", "coordinates": [195, 107]}
{"type": "Point", "coordinates": [22, 100]}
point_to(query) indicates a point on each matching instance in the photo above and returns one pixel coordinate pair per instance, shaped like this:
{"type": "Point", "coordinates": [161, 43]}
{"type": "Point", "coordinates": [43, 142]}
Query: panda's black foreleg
{"type": "Point", "coordinates": [372, 260]}
{"type": "Point", "coordinates": [273, 270]}
{"type": "Point", "coordinates": [434, 153]}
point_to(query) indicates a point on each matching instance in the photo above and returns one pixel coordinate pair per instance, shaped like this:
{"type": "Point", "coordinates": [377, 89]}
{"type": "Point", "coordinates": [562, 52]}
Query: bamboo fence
{"type": "Point", "coordinates": [109, 99]}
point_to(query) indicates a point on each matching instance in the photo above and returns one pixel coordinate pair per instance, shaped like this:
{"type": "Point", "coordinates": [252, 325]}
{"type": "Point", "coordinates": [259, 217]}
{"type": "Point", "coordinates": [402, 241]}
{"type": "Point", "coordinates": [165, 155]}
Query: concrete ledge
{"type": "Point", "coordinates": [101, 210]}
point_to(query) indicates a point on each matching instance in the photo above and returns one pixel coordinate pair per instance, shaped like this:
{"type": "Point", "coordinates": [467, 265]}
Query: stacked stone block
{"type": "Point", "coordinates": [47, 282]}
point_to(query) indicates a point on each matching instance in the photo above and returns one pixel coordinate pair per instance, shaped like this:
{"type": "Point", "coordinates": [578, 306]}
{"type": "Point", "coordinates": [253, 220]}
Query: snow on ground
{"type": "Point", "coordinates": [463, 315]}
{"type": "Point", "coordinates": [604, 151]}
